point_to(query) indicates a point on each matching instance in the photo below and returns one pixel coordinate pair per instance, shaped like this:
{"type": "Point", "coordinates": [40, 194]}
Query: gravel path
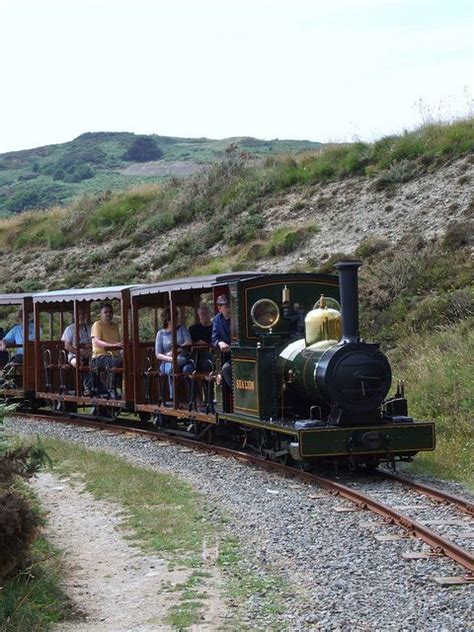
{"type": "Point", "coordinates": [114, 586]}
{"type": "Point", "coordinates": [342, 578]}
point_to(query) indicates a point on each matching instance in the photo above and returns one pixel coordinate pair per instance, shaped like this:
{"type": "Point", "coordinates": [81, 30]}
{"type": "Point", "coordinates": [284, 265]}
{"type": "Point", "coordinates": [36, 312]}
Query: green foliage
{"type": "Point", "coordinates": [33, 599]}
{"type": "Point", "coordinates": [371, 246]}
{"type": "Point", "coordinates": [78, 173]}
{"type": "Point", "coordinates": [41, 229]}
{"type": "Point", "coordinates": [438, 370]}
{"type": "Point", "coordinates": [35, 195]}
{"type": "Point", "coordinates": [246, 228]}
{"type": "Point", "coordinates": [233, 184]}
{"type": "Point", "coordinates": [118, 215]}
{"type": "Point", "coordinates": [18, 520]}
{"type": "Point", "coordinates": [143, 149]}
{"type": "Point", "coordinates": [417, 285]}
{"type": "Point", "coordinates": [285, 239]}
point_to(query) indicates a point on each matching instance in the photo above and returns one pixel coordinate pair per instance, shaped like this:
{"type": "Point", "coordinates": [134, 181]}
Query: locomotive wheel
{"type": "Point", "coordinates": [371, 464]}
{"type": "Point", "coordinates": [144, 416]}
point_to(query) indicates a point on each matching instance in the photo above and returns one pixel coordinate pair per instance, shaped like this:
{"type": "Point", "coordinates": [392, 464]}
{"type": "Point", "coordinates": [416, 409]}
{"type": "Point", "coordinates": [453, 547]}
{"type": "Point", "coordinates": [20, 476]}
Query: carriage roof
{"type": "Point", "coordinates": [82, 294]}
{"type": "Point", "coordinates": [14, 299]}
{"type": "Point", "coordinates": [193, 283]}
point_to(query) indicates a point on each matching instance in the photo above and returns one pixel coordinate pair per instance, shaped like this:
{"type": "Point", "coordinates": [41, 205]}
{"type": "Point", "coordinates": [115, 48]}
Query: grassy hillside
{"type": "Point", "coordinates": [94, 162]}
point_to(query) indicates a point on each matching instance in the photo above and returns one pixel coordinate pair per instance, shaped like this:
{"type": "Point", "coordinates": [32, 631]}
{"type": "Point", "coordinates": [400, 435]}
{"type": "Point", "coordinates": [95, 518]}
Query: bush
{"type": "Point", "coordinates": [143, 149]}
{"type": "Point", "coordinates": [285, 240]}
{"type": "Point", "coordinates": [371, 246]}
{"type": "Point", "coordinates": [246, 228]}
{"type": "Point", "coordinates": [36, 195]}
{"type": "Point", "coordinates": [79, 173]}
{"type": "Point", "coordinates": [119, 213]}
{"type": "Point", "coordinates": [459, 234]}
{"type": "Point", "coordinates": [18, 521]}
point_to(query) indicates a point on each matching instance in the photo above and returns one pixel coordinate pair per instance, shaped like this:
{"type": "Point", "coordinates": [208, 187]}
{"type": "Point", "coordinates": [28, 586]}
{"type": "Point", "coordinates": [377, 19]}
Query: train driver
{"type": "Point", "coordinates": [221, 336]}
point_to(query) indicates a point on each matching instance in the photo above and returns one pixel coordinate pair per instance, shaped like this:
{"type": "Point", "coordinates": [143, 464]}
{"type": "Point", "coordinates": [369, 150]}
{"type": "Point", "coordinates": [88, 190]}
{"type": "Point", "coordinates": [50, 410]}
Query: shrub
{"type": "Point", "coordinates": [285, 240]}
{"type": "Point", "coordinates": [246, 228]}
{"type": "Point", "coordinates": [437, 369]}
{"type": "Point", "coordinates": [401, 171]}
{"type": "Point", "coordinates": [371, 246]}
{"type": "Point", "coordinates": [458, 235]}
{"type": "Point", "coordinates": [18, 521]}
{"type": "Point", "coordinates": [327, 267]}
{"type": "Point", "coordinates": [143, 149]}
{"type": "Point", "coordinates": [36, 195]}
{"type": "Point", "coordinates": [120, 212]}
{"type": "Point", "coordinates": [79, 173]}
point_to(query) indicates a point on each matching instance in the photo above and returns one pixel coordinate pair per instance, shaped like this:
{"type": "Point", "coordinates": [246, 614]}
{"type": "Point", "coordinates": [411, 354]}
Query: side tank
{"type": "Point", "coordinates": [336, 372]}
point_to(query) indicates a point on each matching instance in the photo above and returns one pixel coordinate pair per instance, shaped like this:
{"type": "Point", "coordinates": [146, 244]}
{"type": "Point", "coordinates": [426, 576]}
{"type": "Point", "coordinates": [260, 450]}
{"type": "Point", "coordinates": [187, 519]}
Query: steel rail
{"type": "Point", "coordinates": [439, 545]}
{"type": "Point", "coordinates": [439, 495]}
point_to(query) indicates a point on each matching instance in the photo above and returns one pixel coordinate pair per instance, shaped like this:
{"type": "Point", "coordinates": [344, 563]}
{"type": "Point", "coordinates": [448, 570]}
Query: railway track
{"type": "Point", "coordinates": [394, 513]}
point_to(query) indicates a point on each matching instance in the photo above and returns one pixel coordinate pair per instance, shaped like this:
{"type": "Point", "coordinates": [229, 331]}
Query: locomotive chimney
{"type": "Point", "coordinates": [348, 272]}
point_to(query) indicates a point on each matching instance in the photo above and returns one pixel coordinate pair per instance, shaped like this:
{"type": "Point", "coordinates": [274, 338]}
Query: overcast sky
{"type": "Point", "coordinates": [324, 70]}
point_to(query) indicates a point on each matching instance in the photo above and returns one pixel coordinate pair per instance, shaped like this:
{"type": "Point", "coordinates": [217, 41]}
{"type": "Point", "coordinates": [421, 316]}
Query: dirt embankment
{"type": "Point", "coordinates": [345, 213]}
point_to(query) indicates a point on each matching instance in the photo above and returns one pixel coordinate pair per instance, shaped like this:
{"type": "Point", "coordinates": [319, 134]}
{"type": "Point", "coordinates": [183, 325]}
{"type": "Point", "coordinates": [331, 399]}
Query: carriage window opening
{"type": "Point", "coordinates": [148, 323]}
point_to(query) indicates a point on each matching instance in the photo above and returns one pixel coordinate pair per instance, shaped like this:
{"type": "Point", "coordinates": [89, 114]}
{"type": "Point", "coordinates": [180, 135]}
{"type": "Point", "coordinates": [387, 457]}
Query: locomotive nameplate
{"type": "Point", "coordinates": [245, 391]}
{"type": "Point", "coordinates": [254, 382]}
{"type": "Point", "coordinates": [245, 385]}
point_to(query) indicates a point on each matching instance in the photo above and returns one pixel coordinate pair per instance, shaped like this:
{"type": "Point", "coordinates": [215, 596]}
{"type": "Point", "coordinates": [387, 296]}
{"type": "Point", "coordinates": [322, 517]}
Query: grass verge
{"type": "Point", "coordinates": [163, 512]}
{"type": "Point", "coordinates": [438, 370]}
{"type": "Point", "coordinates": [33, 599]}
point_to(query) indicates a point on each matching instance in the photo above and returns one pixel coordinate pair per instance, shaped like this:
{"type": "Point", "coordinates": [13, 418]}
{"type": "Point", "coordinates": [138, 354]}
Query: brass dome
{"type": "Point", "coordinates": [323, 323]}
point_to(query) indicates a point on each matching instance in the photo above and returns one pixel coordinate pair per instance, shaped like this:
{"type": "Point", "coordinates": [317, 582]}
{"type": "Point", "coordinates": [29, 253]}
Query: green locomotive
{"type": "Point", "coordinates": [304, 383]}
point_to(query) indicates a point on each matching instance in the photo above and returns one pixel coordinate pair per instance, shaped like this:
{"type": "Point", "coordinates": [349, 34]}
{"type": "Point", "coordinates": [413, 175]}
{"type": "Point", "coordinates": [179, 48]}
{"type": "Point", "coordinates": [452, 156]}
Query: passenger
{"type": "Point", "coordinates": [201, 334]}
{"type": "Point", "coordinates": [14, 338]}
{"type": "Point", "coordinates": [69, 339]}
{"type": "Point", "coordinates": [164, 348]}
{"type": "Point", "coordinates": [105, 337]}
{"type": "Point", "coordinates": [4, 356]}
{"type": "Point", "coordinates": [221, 336]}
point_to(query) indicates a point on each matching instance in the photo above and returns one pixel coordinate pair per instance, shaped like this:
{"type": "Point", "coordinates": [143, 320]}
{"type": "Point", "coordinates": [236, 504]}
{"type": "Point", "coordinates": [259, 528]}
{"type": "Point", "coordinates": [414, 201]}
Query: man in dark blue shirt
{"type": "Point", "coordinates": [221, 336]}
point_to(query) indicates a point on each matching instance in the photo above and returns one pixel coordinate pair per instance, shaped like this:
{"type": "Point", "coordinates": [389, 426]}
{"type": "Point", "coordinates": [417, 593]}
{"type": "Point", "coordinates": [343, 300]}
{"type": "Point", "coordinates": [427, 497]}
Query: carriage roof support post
{"type": "Point", "coordinates": [61, 321]}
{"type": "Point", "coordinates": [174, 338]}
{"type": "Point", "coordinates": [37, 348]}
{"type": "Point", "coordinates": [77, 369]}
{"type": "Point", "coordinates": [135, 359]}
{"type": "Point", "coordinates": [128, 384]}
{"type": "Point", "coordinates": [28, 351]}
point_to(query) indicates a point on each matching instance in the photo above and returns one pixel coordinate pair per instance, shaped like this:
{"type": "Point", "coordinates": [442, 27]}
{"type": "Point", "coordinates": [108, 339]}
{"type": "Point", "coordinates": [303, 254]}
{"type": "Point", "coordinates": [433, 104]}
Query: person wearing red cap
{"type": "Point", "coordinates": [221, 336]}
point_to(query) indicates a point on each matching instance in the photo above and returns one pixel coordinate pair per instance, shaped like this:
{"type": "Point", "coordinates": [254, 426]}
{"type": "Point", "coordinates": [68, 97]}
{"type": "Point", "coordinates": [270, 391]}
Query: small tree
{"type": "Point", "coordinates": [143, 149]}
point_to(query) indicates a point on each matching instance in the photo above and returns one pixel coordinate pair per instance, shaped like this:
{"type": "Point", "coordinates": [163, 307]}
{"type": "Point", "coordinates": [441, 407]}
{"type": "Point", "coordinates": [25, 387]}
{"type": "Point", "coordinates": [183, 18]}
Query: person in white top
{"type": "Point", "coordinates": [69, 339]}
